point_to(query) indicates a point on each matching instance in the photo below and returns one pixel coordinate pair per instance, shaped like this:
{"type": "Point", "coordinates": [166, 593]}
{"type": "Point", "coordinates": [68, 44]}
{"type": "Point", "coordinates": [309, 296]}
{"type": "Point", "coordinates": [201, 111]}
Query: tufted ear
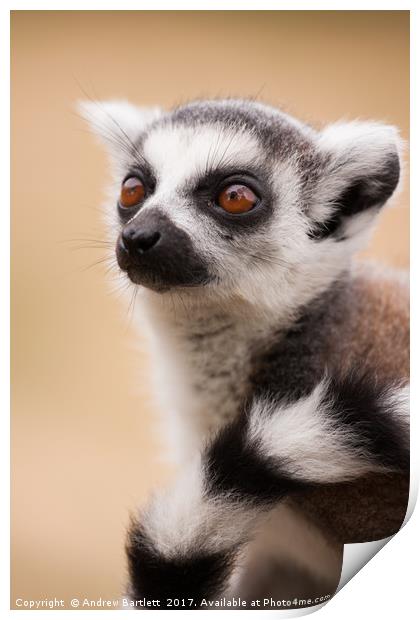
{"type": "Point", "coordinates": [359, 173]}
{"type": "Point", "coordinates": [117, 124]}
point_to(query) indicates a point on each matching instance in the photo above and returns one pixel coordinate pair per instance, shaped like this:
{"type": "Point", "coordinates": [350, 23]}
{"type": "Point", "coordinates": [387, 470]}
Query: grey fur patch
{"type": "Point", "coordinates": [278, 134]}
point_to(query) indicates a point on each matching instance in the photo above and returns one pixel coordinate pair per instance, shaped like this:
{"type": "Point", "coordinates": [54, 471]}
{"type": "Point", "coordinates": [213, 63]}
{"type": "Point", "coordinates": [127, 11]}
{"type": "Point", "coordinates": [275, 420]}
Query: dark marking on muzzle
{"type": "Point", "coordinates": [157, 254]}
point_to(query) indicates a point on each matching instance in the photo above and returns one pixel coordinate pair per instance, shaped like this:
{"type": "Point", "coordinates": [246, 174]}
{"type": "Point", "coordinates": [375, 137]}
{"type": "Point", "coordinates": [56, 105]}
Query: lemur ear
{"type": "Point", "coordinates": [359, 173]}
{"type": "Point", "coordinates": [117, 123]}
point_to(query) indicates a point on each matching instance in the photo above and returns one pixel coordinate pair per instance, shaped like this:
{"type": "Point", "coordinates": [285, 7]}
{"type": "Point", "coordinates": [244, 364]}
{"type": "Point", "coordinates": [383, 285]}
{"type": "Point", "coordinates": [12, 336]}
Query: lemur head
{"type": "Point", "coordinates": [235, 198]}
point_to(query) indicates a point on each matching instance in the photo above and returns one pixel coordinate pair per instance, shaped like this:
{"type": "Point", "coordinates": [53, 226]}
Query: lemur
{"type": "Point", "coordinates": [282, 363]}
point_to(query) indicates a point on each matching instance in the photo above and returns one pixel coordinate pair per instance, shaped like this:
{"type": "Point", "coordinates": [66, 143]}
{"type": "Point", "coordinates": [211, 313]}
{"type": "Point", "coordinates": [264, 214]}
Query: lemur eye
{"type": "Point", "coordinates": [132, 192]}
{"type": "Point", "coordinates": [237, 199]}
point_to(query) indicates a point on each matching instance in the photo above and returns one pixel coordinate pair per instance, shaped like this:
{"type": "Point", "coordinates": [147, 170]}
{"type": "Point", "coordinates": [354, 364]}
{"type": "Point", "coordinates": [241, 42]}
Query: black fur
{"type": "Point", "coordinates": [172, 261]}
{"type": "Point", "coordinates": [371, 191]}
{"type": "Point", "coordinates": [292, 362]}
{"type": "Point", "coordinates": [359, 402]}
{"type": "Point", "coordinates": [196, 575]}
{"type": "Point", "coordinates": [234, 466]}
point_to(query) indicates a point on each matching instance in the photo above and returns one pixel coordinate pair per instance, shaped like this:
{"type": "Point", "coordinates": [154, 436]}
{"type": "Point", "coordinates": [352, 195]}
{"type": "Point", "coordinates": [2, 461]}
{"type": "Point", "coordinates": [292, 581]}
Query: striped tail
{"type": "Point", "coordinates": [188, 542]}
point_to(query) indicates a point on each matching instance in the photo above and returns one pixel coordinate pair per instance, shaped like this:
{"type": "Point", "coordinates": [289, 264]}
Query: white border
{"type": "Point", "coordinates": [386, 586]}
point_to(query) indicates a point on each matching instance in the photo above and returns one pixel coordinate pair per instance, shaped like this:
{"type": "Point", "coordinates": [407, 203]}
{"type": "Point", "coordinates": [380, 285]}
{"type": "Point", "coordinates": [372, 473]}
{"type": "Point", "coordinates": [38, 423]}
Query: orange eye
{"type": "Point", "coordinates": [132, 192]}
{"type": "Point", "coordinates": [237, 199]}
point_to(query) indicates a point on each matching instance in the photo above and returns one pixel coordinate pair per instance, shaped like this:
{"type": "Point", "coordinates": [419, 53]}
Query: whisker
{"type": "Point", "coordinates": [221, 160]}
{"type": "Point", "coordinates": [88, 247]}
{"type": "Point", "coordinates": [105, 259]}
{"type": "Point", "coordinates": [121, 139]}
{"type": "Point", "coordinates": [270, 260]}
{"type": "Point", "coordinates": [132, 305]}
{"type": "Point", "coordinates": [183, 305]}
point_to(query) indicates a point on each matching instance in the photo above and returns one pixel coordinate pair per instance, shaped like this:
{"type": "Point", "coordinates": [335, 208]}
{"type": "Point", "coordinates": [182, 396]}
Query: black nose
{"type": "Point", "coordinates": [136, 239]}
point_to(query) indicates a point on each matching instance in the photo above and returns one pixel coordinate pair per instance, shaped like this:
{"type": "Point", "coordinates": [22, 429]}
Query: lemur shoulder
{"type": "Point", "coordinates": [282, 362]}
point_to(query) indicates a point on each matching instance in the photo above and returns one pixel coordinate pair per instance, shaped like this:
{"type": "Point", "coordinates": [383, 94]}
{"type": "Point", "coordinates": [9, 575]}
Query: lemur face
{"type": "Point", "coordinates": [234, 197]}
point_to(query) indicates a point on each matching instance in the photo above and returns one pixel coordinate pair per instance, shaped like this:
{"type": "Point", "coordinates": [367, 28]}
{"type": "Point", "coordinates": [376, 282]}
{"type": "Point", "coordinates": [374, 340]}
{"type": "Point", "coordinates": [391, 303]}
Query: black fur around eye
{"type": "Point", "coordinates": [238, 200]}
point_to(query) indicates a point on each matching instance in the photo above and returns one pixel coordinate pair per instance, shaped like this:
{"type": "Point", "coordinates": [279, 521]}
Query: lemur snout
{"type": "Point", "coordinates": [150, 233]}
{"type": "Point", "coordinates": [134, 239]}
{"type": "Point", "coordinates": [157, 254]}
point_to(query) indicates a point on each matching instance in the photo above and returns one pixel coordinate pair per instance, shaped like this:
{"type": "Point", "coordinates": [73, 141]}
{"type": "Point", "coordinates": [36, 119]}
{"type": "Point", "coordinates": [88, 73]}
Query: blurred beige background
{"type": "Point", "coordinates": [84, 450]}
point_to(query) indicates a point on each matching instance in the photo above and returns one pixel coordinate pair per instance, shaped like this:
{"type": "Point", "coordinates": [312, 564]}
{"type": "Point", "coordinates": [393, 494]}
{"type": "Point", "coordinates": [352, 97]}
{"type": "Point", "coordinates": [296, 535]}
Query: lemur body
{"type": "Point", "coordinates": [281, 361]}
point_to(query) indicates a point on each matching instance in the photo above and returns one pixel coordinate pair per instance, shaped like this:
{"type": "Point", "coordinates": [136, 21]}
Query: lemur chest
{"type": "Point", "coordinates": [218, 375]}
{"type": "Point", "coordinates": [206, 369]}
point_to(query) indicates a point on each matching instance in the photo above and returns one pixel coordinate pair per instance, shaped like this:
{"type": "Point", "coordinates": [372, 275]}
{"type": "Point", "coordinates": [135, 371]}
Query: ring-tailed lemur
{"type": "Point", "coordinates": [284, 365]}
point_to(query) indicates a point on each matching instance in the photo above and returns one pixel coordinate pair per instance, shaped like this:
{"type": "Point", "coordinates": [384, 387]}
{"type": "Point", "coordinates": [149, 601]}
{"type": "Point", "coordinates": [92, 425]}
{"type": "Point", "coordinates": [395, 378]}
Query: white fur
{"type": "Point", "coordinates": [107, 117]}
{"type": "Point", "coordinates": [353, 149]}
{"type": "Point", "coordinates": [312, 443]}
{"type": "Point", "coordinates": [182, 518]}
{"type": "Point", "coordinates": [117, 124]}
{"type": "Point", "coordinates": [177, 153]}
{"type": "Point", "coordinates": [398, 401]}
